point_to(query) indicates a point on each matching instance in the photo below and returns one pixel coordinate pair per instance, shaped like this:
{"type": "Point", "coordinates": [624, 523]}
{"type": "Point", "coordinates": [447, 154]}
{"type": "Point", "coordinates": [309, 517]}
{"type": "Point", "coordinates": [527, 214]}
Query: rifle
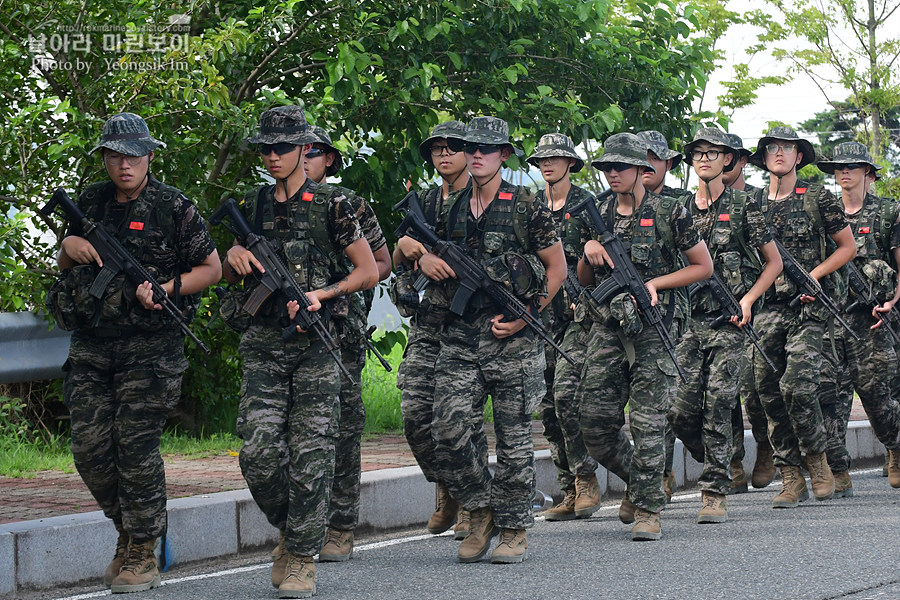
{"type": "Point", "coordinates": [116, 259]}
{"type": "Point", "coordinates": [808, 286]}
{"type": "Point", "coordinates": [864, 296]}
{"type": "Point", "coordinates": [469, 272]}
{"type": "Point", "coordinates": [625, 277]}
{"type": "Point", "coordinates": [367, 341]}
{"type": "Point", "coordinates": [729, 306]}
{"type": "Point", "coordinates": [277, 278]}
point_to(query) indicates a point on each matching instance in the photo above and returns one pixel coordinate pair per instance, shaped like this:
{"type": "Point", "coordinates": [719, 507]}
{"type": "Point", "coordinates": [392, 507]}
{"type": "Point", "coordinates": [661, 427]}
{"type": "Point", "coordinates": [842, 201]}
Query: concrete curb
{"type": "Point", "coordinates": [229, 523]}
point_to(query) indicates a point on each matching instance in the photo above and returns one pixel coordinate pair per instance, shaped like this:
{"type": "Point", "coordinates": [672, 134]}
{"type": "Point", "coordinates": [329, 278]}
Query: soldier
{"type": "Point", "coordinates": [415, 377]}
{"type": "Point", "coordinates": [323, 160]}
{"type": "Point", "coordinates": [626, 360]}
{"type": "Point", "coordinates": [868, 365]}
{"type": "Point", "coordinates": [734, 229]}
{"type": "Point", "coordinates": [126, 359]}
{"type": "Point", "coordinates": [803, 216]}
{"type": "Point", "coordinates": [555, 156]}
{"type": "Point", "coordinates": [763, 469]}
{"type": "Point", "coordinates": [289, 390]}
{"type": "Point", "coordinates": [507, 229]}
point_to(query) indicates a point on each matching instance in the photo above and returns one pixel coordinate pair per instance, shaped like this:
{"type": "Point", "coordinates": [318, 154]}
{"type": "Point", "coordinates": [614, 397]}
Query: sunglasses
{"type": "Point", "coordinates": [615, 166]}
{"type": "Point", "coordinates": [484, 149]}
{"type": "Point", "coordinates": [438, 150]}
{"type": "Point", "coordinates": [315, 153]}
{"type": "Point", "coordinates": [786, 148]}
{"type": "Point", "coordinates": [279, 149]}
{"type": "Point", "coordinates": [849, 166]}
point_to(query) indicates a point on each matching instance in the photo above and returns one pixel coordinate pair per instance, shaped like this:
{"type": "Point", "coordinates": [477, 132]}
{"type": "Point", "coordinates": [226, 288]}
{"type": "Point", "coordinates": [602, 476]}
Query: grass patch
{"type": "Point", "coordinates": [175, 443]}
{"type": "Point", "coordinates": [23, 459]}
{"type": "Point", "coordinates": [380, 394]}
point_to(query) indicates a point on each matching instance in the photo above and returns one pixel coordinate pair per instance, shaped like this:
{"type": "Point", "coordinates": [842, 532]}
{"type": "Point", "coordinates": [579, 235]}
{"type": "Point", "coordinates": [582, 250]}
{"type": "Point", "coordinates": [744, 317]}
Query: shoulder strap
{"type": "Point", "coordinates": [522, 215]}
{"type": "Point", "coordinates": [666, 204]}
{"type": "Point", "coordinates": [809, 195]}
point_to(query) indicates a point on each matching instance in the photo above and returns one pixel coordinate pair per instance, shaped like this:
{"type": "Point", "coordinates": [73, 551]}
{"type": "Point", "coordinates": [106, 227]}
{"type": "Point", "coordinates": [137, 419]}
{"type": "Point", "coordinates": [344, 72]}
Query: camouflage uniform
{"type": "Point", "coordinates": [123, 375]}
{"type": "Point", "coordinates": [732, 226]}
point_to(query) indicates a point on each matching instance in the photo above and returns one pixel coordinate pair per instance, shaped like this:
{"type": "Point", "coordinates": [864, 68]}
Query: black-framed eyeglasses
{"type": "Point", "coordinates": [315, 153]}
{"type": "Point", "coordinates": [849, 166]}
{"type": "Point", "coordinates": [786, 148]}
{"type": "Point", "coordinates": [484, 149]}
{"type": "Point", "coordinates": [437, 150]}
{"type": "Point", "coordinates": [709, 154]}
{"type": "Point", "coordinates": [618, 167]}
{"type": "Point", "coordinates": [116, 159]}
{"type": "Point", "coordinates": [280, 149]}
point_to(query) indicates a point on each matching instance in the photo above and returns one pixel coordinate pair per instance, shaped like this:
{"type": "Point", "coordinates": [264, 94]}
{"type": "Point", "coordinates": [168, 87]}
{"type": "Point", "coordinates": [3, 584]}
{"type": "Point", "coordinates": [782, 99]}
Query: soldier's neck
{"type": "Point", "coordinates": [557, 193]}
{"type": "Point", "coordinates": [708, 192]}
{"type": "Point", "coordinates": [853, 198]}
{"type": "Point", "coordinates": [455, 182]}
{"type": "Point", "coordinates": [294, 182]}
{"type": "Point", "coordinates": [783, 187]}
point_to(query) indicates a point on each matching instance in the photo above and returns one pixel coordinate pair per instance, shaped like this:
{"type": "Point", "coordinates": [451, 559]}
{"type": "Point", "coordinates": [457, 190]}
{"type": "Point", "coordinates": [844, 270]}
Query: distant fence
{"type": "Point", "coordinates": [29, 349]}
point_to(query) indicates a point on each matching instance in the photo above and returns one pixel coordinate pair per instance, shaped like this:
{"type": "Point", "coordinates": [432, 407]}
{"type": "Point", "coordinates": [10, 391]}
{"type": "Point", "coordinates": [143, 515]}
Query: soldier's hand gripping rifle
{"type": "Point", "coordinates": [729, 307]}
{"type": "Point", "coordinates": [470, 273]}
{"type": "Point", "coordinates": [116, 259]}
{"type": "Point", "coordinates": [809, 286]}
{"type": "Point", "coordinates": [625, 277]}
{"type": "Point", "coordinates": [277, 278]}
{"type": "Point", "coordinates": [865, 297]}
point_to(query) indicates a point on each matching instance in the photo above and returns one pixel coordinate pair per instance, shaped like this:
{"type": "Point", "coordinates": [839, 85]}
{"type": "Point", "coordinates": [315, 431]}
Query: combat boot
{"type": "Point", "coordinates": [587, 495]}
{"type": "Point", "coordinates": [764, 467]}
{"type": "Point", "coordinates": [887, 463]}
{"type": "Point", "coordinates": [461, 530]}
{"type": "Point", "coordinates": [564, 511]}
{"type": "Point", "coordinates": [820, 476]}
{"type": "Point", "coordinates": [478, 542]}
{"type": "Point", "coordinates": [338, 546]}
{"type": "Point", "coordinates": [445, 513]}
{"type": "Point", "coordinates": [793, 489]}
{"type": "Point", "coordinates": [738, 478]}
{"type": "Point", "coordinates": [894, 468]}
{"type": "Point", "coordinates": [714, 508]}
{"type": "Point", "coordinates": [626, 509]}
{"type": "Point", "coordinates": [669, 484]}
{"type": "Point", "coordinates": [843, 486]}
{"type": "Point", "coordinates": [139, 571]}
{"type": "Point", "coordinates": [646, 526]}
{"type": "Point", "coordinates": [280, 557]}
{"type": "Point", "coordinates": [512, 547]}
{"type": "Point", "coordinates": [299, 579]}
{"type": "Point", "coordinates": [118, 558]}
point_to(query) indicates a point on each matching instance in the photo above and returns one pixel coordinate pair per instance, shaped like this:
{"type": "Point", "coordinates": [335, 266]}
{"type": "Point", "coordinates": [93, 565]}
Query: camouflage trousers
{"type": "Point", "coordinates": [789, 395]}
{"type": "Point", "coordinates": [648, 386]}
{"type": "Point", "coordinates": [701, 413]}
{"type": "Point", "coordinates": [343, 507]}
{"type": "Point", "coordinates": [759, 426]}
{"type": "Point", "coordinates": [288, 421]}
{"type": "Point", "coordinates": [559, 412]}
{"type": "Point", "coordinates": [472, 363]}
{"type": "Point", "coordinates": [868, 366]}
{"type": "Point", "coordinates": [119, 391]}
{"type": "Point", "coordinates": [415, 378]}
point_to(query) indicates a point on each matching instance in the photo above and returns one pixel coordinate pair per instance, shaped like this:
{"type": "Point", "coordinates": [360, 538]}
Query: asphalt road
{"type": "Point", "coordinates": [845, 548]}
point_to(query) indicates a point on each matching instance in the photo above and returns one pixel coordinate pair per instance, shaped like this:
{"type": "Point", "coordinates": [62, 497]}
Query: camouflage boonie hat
{"type": "Point", "coordinates": [735, 142]}
{"type": "Point", "coordinates": [624, 148]}
{"type": "Point", "coordinates": [660, 147]}
{"type": "Point", "coordinates": [713, 136]}
{"type": "Point", "coordinates": [556, 144]}
{"type": "Point", "coordinates": [447, 129]}
{"type": "Point", "coordinates": [322, 137]}
{"type": "Point", "coordinates": [784, 134]}
{"type": "Point", "coordinates": [127, 133]}
{"type": "Point", "coordinates": [490, 130]}
{"type": "Point", "coordinates": [283, 124]}
{"type": "Point", "coordinates": [845, 154]}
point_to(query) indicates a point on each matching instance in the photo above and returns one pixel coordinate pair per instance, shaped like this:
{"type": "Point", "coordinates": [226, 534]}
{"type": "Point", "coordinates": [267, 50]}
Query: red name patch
{"type": "Point", "coordinates": [136, 226]}
{"type": "Point", "coordinates": [646, 222]}
{"type": "Point", "coordinates": [567, 216]}
{"type": "Point", "coordinates": [306, 197]}
{"type": "Point", "coordinates": [505, 196]}
{"type": "Point", "coordinates": [864, 230]}
{"type": "Point", "coordinates": [725, 217]}
{"type": "Point", "coordinates": [801, 190]}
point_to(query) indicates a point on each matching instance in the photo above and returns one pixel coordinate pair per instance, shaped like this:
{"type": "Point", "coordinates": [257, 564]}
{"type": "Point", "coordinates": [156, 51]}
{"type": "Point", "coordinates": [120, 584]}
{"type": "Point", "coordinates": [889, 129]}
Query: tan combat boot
{"type": "Point", "coordinates": [587, 495]}
{"type": "Point", "coordinates": [793, 489]}
{"type": "Point", "coordinates": [820, 476]}
{"type": "Point", "coordinates": [512, 547]}
{"type": "Point", "coordinates": [481, 530]}
{"type": "Point", "coordinates": [461, 530]}
{"type": "Point", "coordinates": [626, 509]}
{"type": "Point", "coordinates": [646, 526]}
{"type": "Point", "coordinates": [894, 468]}
{"type": "Point", "coordinates": [738, 478]}
{"type": "Point", "coordinates": [843, 486]}
{"type": "Point", "coordinates": [118, 558]}
{"type": "Point", "coordinates": [714, 508]}
{"type": "Point", "coordinates": [139, 571]}
{"type": "Point", "coordinates": [299, 579]}
{"type": "Point", "coordinates": [280, 557]}
{"type": "Point", "coordinates": [669, 484]}
{"type": "Point", "coordinates": [764, 467]}
{"type": "Point", "coordinates": [564, 511]}
{"type": "Point", "coordinates": [444, 513]}
{"type": "Point", "coordinates": [338, 546]}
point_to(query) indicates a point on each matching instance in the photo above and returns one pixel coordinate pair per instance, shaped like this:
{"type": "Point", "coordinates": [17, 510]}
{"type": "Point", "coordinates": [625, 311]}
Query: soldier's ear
{"type": "Point", "coordinates": [152, 154]}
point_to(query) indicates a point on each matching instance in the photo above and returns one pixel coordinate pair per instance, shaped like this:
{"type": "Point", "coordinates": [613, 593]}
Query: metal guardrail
{"type": "Point", "coordinates": [29, 349]}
